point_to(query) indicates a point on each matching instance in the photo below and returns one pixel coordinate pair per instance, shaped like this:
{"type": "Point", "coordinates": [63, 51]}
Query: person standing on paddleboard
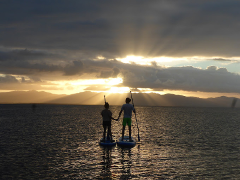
{"type": "Point", "coordinates": [127, 108]}
{"type": "Point", "coordinates": [107, 117]}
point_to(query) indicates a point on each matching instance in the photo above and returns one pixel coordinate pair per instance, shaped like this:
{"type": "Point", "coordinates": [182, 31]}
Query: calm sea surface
{"type": "Point", "coordinates": [61, 142]}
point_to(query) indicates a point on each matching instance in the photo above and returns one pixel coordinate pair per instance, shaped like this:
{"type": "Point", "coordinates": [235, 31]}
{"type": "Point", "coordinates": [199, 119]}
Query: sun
{"type": "Point", "coordinates": [147, 60]}
{"type": "Point", "coordinates": [75, 86]}
{"type": "Point", "coordinates": [135, 59]}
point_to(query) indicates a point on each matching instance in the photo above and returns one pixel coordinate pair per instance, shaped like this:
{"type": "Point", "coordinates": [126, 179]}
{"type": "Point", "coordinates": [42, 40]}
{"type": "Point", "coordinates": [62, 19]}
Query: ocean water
{"type": "Point", "coordinates": [61, 142]}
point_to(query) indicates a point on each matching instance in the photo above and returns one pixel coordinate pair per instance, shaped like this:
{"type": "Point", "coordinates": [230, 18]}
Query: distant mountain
{"type": "Point", "coordinates": [92, 98]}
{"type": "Point", "coordinates": [15, 97]}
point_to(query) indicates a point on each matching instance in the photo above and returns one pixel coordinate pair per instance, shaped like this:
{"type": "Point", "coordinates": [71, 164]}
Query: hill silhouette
{"type": "Point", "coordinates": [15, 97]}
{"type": "Point", "coordinates": [93, 98]}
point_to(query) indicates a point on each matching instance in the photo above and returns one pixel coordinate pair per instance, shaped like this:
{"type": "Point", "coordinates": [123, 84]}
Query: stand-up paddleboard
{"type": "Point", "coordinates": [125, 143]}
{"type": "Point", "coordinates": [107, 143]}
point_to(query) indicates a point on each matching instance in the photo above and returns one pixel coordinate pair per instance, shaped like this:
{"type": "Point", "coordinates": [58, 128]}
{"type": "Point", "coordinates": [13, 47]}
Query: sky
{"type": "Point", "coordinates": [185, 47]}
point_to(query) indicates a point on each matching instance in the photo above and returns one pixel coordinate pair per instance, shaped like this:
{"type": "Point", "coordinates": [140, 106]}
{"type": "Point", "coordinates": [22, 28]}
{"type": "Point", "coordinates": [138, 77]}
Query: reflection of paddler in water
{"type": "Point", "coordinates": [107, 117]}
{"type": "Point", "coordinates": [234, 102]}
{"type": "Point", "coordinates": [127, 157]}
{"type": "Point", "coordinates": [126, 161]}
{"type": "Point", "coordinates": [107, 163]}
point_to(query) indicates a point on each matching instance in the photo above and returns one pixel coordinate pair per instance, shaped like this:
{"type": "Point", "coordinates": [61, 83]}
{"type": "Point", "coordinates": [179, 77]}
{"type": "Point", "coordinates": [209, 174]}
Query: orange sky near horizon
{"type": "Point", "coordinates": [114, 85]}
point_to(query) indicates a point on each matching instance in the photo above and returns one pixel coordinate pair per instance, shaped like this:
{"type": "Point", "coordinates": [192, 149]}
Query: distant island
{"type": "Point", "coordinates": [93, 98]}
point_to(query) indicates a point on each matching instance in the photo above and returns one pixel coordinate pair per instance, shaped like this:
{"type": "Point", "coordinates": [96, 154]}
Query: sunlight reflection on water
{"type": "Point", "coordinates": [61, 142]}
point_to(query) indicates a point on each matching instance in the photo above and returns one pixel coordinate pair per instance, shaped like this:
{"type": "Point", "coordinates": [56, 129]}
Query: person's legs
{"type": "Point", "coordinates": [124, 125]}
{"type": "Point", "coordinates": [109, 133]}
{"type": "Point", "coordinates": [130, 133]}
{"type": "Point", "coordinates": [104, 133]}
{"type": "Point", "coordinates": [129, 123]}
{"type": "Point", "coordinates": [123, 129]}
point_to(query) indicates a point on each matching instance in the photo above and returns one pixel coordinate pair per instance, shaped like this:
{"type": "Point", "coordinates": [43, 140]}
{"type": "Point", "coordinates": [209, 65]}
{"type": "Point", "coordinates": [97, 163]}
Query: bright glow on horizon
{"type": "Point", "coordinates": [148, 61]}
{"type": "Point", "coordinates": [119, 90]}
{"type": "Point", "coordinates": [110, 81]}
{"type": "Point", "coordinates": [145, 90]}
{"type": "Point", "coordinates": [173, 61]}
{"type": "Point", "coordinates": [113, 85]}
{"type": "Point", "coordinates": [76, 86]}
{"type": "Point", "coordinates": [135, 59]}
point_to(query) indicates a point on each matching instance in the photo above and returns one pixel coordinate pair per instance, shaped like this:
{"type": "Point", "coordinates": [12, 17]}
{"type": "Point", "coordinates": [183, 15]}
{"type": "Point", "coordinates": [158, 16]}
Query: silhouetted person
{"type": "Point", "coordinates": [34, 107]}
{"type": "Point", "coordinates": [107, 117]}
{"type": "Point", "coordinates": [234, 102]}
{"type": "Point", "coordinates": [127, 108]}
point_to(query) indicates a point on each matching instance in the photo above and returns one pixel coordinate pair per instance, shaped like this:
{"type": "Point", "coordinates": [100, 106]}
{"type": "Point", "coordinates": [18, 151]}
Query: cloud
{"type": "Point", "coordinates": [118, 28]}
{"type": "Point", "coordinates": [212, 79]}
{"type": "Point", "coordinates": [188, 78]}
{"type": "Point", "coordinates": [23, 55]}
{"type": "Point", "coordinates": [75, 68]}
{"type": "Point", "coordinates": [8, 79]}
{"type": "Point", "coordinates": [60, 40]}
{"type": "Point", "coordinates": [9, 82]}
{"type": "Point", "coordinates": [113, 73]}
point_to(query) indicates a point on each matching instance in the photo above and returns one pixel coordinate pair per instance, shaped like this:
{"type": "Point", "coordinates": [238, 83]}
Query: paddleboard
{"type": "Point", "coordinates": [107, 143]}
{"type": "Point", "coordinates": [125, 143]}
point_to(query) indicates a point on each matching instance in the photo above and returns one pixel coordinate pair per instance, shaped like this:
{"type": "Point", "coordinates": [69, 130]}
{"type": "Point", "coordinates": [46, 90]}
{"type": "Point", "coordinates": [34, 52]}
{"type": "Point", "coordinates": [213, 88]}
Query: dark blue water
{"type": "Point", "coordinates": [61, 142]}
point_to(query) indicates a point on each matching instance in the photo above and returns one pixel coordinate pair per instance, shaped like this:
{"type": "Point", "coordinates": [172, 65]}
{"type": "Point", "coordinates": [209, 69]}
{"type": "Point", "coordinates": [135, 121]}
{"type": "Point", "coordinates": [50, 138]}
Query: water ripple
{"type": "Point", "coordinates": [61, 142]}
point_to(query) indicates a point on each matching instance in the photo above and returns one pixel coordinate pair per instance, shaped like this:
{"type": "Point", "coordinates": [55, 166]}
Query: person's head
{"type": "Point", "coordinates": [128, 100]}
{"type": "Point", "coordinates": [106, 105]}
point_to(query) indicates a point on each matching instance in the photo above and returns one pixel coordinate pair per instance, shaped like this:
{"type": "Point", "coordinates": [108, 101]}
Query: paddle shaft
{"type": "Point", "coordinates": [135, 117]}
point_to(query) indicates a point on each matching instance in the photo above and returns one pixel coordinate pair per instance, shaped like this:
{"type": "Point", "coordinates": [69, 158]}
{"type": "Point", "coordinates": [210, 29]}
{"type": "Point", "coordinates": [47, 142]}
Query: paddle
{"type": "Point", "coordinates": [135, 117]}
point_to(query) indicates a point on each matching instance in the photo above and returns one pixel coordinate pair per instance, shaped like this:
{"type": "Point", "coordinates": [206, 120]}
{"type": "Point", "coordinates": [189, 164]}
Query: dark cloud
{"type": "Point", "coordinates": [116, 71]}
{"type": "Point", "coordinates": [28, 55]}
{"type": "Point", "coordinates": [105, 74]}
{"type": "Point", "coordinates": [22, 55]}
{"type": "Point", "coordinates": [212, 79]}
{"type": "Point", "coordinates": [61, 39]}
{"type": "Point", "coordinates": [35, 79]}
{"type": "Point", "coordinates": [118, 28]}
{"type": "Point", "coordinates": [8, 79]}
{"type": "Point", "coordinates": [26, 68]}
{"type": "Point", "coordinates": [76, 67]}
{"type": "Point", "coordinates": [113, 73]}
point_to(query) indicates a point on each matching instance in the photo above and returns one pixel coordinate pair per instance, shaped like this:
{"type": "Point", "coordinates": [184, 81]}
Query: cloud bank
{"type": "Point", "coordinates": [46, 41]}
